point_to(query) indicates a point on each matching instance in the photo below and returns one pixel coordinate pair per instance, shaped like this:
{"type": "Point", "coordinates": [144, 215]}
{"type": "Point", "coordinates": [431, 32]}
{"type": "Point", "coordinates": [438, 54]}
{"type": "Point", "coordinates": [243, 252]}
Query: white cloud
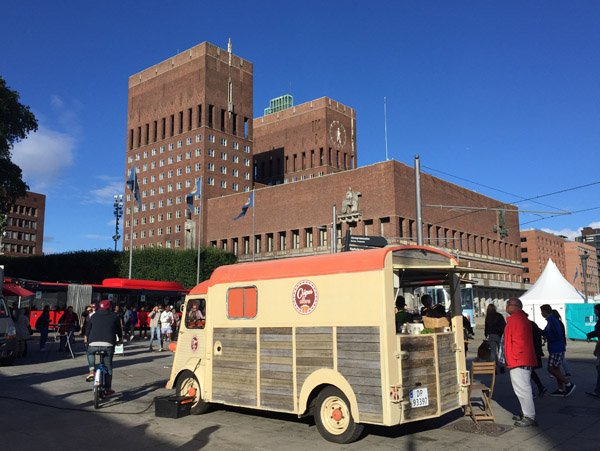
{"type": "Point", "coordinates": [571, 234]}
{"type": "Point", "coordinates": [106, 193]}
{"type": "Point", "coordinates": [43, 157]}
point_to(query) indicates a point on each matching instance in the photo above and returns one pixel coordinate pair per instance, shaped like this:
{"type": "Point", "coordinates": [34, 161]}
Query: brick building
{"type": "Point", "coordinates": [573, 252]}
{"type": "Point", "coordinates": [536, 248]}
{"type": "Point", "coordinates": [24, 231]}
{"type": "Point", "coordinates": [304, 141]}
{"type": "Point", "coordinates": [591, 236]}
{"type": "Point", "coordinates": [188, 117]}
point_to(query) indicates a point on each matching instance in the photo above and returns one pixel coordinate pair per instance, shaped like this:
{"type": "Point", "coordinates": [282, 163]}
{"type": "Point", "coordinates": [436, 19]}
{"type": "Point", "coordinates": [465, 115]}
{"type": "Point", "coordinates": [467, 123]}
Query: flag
{"type": "Point", "coordinates": [576, 273]}
{"type": "Point", "coordinates": [245, 207]}
{"type": "Point", "coordinates": [132, 184]}
{"type": "Point", "coordinates": [190, 197]}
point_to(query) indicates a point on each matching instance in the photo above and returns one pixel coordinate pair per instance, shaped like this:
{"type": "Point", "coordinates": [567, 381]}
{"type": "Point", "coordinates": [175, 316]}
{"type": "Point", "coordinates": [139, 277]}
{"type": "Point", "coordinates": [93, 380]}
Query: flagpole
{"type": "Point", "coordinates": [253, 224]}
{"type": "Point", "coordinates": [131, 230]}
{"type": "Point", "coordinates": [199, 219]}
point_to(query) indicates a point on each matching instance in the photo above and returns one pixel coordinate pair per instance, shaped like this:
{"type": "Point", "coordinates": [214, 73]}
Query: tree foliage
{"type": "Point", "coordinates": [16, 121]}
{"type": "Point", "coordinates": [95, 266]}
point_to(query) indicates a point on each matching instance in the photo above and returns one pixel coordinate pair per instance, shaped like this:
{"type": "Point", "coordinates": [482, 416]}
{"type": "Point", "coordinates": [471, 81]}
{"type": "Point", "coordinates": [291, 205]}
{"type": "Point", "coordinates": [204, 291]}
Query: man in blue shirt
{"type": "Point", "coordinates": [556, 351]}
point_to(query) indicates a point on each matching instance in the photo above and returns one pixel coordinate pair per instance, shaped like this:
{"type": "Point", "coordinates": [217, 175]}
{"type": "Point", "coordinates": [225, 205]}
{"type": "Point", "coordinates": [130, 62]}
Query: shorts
{"type": "Point", "coordinates": [165, 330]}
{"type": "Point", "coordinates": [555, 359]}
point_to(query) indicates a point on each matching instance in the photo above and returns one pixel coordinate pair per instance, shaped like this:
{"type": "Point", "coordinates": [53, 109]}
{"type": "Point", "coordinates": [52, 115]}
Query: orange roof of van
{"type": "Point", "coordinates": [315, 265]}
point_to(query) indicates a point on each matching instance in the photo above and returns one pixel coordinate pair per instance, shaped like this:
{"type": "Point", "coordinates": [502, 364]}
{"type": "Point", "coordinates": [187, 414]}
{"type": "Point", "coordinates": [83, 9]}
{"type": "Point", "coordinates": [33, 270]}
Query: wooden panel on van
{"type": "Point", "coordinates": [447, 373]}
{"type": "Point", "coordinates": [234, 368]}
{"type": "Point", "coordinates": [359, 361]}
{"type": "Point", "coordinates": [314, 350]}
{"type": "Point", "coordinates": [276, 368]}
{"type": "Point", "coordinates": [418, 371]}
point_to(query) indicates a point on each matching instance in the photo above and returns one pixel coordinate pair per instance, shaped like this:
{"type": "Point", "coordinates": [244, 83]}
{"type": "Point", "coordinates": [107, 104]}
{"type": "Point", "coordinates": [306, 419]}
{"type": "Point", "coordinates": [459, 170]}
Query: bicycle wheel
{"type": "Point", "coordinates": [96, 396]}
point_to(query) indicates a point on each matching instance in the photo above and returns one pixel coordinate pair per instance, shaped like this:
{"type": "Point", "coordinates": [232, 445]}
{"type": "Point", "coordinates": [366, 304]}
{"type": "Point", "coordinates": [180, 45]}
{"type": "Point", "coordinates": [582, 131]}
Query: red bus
{"type": "Point", "coordinates": [121, 292]}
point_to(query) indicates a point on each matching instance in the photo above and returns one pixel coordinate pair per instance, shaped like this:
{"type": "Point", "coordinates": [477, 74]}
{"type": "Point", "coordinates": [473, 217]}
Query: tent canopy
{"type": "Point", "coordinates": [551, 288]}
{"type": "Point", "coordinates": [10, 289]}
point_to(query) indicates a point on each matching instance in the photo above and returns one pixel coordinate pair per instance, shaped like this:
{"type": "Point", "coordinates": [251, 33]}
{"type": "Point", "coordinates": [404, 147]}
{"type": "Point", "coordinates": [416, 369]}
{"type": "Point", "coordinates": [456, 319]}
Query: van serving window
{"type": "Point", "coordinates": [242, 302]}
{"type": "Point", "coordinates": [196, 314]}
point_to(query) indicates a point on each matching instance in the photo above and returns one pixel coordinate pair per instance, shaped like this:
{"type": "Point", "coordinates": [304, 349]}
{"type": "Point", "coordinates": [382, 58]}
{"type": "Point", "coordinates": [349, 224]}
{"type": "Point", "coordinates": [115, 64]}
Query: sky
{"type": "Point", "coordinates": [502, 98]}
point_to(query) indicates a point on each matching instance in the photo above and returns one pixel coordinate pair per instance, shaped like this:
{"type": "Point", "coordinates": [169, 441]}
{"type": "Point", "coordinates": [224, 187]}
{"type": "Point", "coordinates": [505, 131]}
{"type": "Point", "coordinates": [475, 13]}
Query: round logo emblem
{"type": "Point", "coordinates": [305, 297]}
{"type": "Point", "coordinates": [194, 344]}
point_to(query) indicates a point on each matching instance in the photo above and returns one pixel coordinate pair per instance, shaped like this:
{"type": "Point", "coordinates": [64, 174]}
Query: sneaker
{"type": "Point", "coordinates": [161, 349]}
{"type": "Point", "coordinates": [151, 349]}
{"type": "Point", "coordinates": [90, 377]}
{"type": "Point", "coordinates": [569, 389]}
{"type": "Point", "coordinates": [543, 391]}
{"type": "Point", "coordinates": [517, 417]}
{"type": "Point", "coordinates": [558, 393]}
{"type": "Point", "coordinates": [108, 392]}
{"type": "Point", "coordinates": [525, 422]}
{"type": "Point", "coordinates": [593, 393]}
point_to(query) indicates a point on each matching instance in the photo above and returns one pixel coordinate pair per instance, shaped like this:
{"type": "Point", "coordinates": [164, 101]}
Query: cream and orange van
{"type": "Point", "coordinates": [316, 335]}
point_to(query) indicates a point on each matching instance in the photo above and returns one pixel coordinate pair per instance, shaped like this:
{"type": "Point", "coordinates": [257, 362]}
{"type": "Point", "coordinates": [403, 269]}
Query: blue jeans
{"type": "Point", "coordinates": [106, 361]}
{"type": "Point", "coordinates": [155, 330]}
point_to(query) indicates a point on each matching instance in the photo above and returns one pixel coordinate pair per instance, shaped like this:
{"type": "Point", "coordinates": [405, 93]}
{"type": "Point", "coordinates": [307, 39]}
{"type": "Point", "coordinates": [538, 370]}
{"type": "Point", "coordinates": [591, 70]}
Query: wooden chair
{"type": "Point", "coordinates": [482, 368]}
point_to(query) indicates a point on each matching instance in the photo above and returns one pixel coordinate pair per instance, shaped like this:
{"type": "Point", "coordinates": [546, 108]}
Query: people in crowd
{"type": "Point", "coordinates": [520, 358]}
{"type": "Point", "coordinates": [89, 310]}
{"type": "Point", "coordinates": [166, 320]}
{"type": "Point", "coordinates": [175, 323]}
{"type": "Point", "coordinates": [539, 353]}
{"type": "Point", "coordinates": [596, 334]}
{"type": "Point", "coordinates": [493, 330]}
{"type": "Point", "coordinates": [23, 334]}
{"type": "Point", "coordinates": [143, 319]}
{"type": "Point", "coordinates": [155, 326]}
{"type": "Point", "coordinates": [565, 364]}
{"type": "Point", "coordinates": [556, 352]}
{"type": "Point", "coordinates": [67, 324]}
{"type": "Point", "coordinates": [128, 324]}
{"type": "Point", "coordinates": [430, 310]}
{"type": "Point", "coordinates": [120, 313]}
{"type": "Point", "coordinates": [102, 334]}
{"type": "Point", "coordinates": [42, 324]}
{"type": "Point", "coordinates": [402, 315]}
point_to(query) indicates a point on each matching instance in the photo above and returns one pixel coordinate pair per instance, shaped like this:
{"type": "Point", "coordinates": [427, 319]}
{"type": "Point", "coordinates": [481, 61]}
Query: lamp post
{"type": "Point", "coordinates": [118, 206]}
{"type": "Point", "coordinates": [584, 258]}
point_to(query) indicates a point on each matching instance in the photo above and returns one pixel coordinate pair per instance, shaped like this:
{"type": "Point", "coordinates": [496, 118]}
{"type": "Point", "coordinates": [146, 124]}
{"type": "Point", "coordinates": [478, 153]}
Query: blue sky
{"type": "Point", "coordinates": [500, 97]}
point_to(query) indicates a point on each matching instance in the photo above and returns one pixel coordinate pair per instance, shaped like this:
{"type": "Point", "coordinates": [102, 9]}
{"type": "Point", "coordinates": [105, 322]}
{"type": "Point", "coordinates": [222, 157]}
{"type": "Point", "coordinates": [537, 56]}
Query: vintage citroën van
{"type": "Point", "coordinates": [316, 335]}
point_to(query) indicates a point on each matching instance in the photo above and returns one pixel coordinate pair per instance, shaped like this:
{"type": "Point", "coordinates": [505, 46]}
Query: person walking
{"type": "Point", "coordinates": [22, 329]}
{"type": "Point", "coordinates": [564, 362]}
{"type": "Point", "coordinates": [143, 317]}
{"type": "Point", "coordinates": [556, 351]}
{"type": "Point", "coordinates": [539, 353]}
{"type": "Point", "coordinates": [596, 334]}
{"type": "Point", "coordinates": [519, 354]}
{"type": "Point", "coordinates": [154, 316]}
{"type": "Point", "coordinates": [166, 320]}
{"type": "Point", "coordinates": [42, 324]}
{"type": "Point", "coordinates": [102, 333]}
{"type": "Point", "coordinates": [494, 329]}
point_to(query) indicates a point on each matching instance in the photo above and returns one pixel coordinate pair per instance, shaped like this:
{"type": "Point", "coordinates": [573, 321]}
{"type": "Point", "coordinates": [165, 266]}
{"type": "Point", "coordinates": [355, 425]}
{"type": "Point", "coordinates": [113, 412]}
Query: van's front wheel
{"type": "Point", "coordinates": [187, 385]}
{"type": "Point", "coordinates": [333, 418]}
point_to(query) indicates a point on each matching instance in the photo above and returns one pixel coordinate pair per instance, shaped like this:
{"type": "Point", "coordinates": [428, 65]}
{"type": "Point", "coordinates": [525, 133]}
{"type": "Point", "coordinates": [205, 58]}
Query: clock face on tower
{"type": "Point", "coordinates": [337, 134]}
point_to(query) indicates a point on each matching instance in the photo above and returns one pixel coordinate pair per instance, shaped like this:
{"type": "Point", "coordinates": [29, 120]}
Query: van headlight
{"type": "Point", "coordinates": [12, 332]}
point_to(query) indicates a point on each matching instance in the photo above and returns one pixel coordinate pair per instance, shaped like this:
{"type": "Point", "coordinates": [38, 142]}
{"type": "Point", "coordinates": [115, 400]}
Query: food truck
{"type": "Point", "coordinates": [316, 336]}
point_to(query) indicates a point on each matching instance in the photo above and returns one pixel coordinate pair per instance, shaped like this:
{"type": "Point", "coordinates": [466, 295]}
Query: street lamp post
{"type": "Point", "coordinates": [584, 258]}
{"type": "Point", "coordinates": [118, 206]}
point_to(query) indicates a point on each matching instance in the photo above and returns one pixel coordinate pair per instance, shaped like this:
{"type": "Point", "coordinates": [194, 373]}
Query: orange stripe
{"type": "Point", "coordinates": [316, 265]}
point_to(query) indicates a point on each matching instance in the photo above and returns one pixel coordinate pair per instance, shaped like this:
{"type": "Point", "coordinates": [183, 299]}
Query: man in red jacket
{"type": "Point", "coordinates": [520, 360]}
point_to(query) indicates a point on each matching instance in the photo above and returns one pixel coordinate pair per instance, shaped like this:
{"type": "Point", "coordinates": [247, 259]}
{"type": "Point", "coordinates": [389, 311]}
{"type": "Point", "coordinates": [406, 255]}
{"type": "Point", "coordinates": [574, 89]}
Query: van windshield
{"type": "Point", "coordinates": [3, 310]}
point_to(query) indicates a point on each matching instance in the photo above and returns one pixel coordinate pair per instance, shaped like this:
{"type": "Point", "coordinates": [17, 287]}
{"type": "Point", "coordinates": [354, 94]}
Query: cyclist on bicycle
{"type": "Point", "coordinates": [102, 332]}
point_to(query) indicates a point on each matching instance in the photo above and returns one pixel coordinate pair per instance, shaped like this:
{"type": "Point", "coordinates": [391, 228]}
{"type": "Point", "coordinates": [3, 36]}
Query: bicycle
{"type": "Point", "coordinates": [99, 388]}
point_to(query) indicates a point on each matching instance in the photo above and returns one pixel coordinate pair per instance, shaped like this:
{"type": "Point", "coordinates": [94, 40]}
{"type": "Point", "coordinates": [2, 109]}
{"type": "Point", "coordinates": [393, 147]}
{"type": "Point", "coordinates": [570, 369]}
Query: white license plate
{"type": "Point", "coordinates": [419, 397]}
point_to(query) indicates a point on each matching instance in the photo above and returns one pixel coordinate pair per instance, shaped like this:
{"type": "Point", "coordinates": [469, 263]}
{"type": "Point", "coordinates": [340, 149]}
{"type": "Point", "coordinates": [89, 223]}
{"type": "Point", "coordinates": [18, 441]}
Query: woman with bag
{"type": "Point", "coordinates": [494, 329]}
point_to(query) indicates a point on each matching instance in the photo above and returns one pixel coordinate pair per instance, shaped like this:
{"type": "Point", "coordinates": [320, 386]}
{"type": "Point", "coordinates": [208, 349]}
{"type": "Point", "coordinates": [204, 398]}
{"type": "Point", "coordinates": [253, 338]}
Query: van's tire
{"type": "Point", "coordinates": [187, 385]}
{"type": "Point", "coordinates": [333, 417]}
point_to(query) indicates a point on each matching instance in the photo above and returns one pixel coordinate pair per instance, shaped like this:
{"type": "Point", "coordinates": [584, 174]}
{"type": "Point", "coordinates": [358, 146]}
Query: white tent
{"type": "Point", "coordinates": [551, 288]}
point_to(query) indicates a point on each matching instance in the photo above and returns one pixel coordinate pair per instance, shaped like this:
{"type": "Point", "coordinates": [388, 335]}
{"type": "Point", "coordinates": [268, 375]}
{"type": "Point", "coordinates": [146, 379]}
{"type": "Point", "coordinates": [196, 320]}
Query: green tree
{"type": "Point", "coordinates": [16, 121]}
